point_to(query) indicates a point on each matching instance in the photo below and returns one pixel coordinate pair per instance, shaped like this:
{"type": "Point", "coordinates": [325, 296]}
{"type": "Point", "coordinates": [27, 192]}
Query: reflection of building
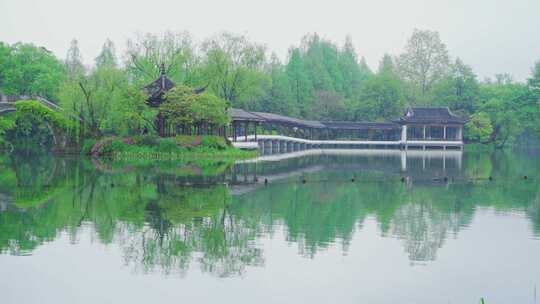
{"type": "Point", "coordinates": [433, 167]}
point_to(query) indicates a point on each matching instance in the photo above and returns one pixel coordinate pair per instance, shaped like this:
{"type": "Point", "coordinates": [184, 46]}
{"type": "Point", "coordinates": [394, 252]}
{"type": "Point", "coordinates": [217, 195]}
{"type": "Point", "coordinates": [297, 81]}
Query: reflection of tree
{"type": "Point", "coordinates": [161, 225]}
{"type": "Point", "coordinates": [194, 224]}
{"type": "Point", "coordinates": [423, 229]}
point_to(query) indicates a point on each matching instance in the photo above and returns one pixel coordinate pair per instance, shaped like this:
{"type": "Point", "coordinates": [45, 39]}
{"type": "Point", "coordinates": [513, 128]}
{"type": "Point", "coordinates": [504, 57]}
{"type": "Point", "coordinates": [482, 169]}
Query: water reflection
{"type": "Point", "coordinates": [168, 217]}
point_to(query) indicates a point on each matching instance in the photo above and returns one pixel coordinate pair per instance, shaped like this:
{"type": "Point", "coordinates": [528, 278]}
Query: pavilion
{"type": "Point", "coordinates": [431, 124]}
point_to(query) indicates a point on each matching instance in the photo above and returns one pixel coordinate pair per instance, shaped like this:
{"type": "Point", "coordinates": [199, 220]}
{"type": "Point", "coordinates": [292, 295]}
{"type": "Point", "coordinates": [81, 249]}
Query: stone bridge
{"type": "Point", "coordinates": [8, 105]}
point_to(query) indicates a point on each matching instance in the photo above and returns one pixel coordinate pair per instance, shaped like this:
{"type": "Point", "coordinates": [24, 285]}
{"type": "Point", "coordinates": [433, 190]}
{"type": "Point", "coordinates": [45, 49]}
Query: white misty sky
{"type": "Point", "coordinates": [493, 36]}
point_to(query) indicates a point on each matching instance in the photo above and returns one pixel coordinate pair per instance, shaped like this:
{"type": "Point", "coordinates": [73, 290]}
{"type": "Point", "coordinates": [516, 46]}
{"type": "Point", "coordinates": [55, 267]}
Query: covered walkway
{"type": "Point", "coordinates": [419, 128]}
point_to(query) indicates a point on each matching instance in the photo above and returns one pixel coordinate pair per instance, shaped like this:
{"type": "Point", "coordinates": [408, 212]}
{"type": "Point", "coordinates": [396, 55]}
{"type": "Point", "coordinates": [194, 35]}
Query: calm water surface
{"type": "Point", "coordinates": [334, 228]}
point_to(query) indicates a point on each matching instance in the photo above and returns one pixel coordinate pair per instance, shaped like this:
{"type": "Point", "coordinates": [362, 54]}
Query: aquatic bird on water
{"type": "Point", "coordinates": [525, 177]}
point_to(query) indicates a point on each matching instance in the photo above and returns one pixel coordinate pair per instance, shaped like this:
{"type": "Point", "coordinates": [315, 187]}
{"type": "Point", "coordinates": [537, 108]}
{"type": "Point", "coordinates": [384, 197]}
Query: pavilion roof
{"type": "Point", "coordinates": [431, 115]}
{"type": "Point", "coordinates": [242, 115]}
{"type": "Point", "coordinates": [159, 86]}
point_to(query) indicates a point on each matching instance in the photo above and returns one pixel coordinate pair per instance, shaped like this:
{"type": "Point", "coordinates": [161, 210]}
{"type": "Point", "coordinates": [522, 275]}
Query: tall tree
{"type": "Point", "coordinates": [301, 86]}
{"type": "Point", "coordinates": [5, 57]}
{"type": "Point", "coordinates": [74, 61]}
{"type": "Point", "coordinates": [424, 62]}
{"type": "Point", "coordinates": [534, 80]}
{"type": "Point", "coordinates": [279, 97]}
{"type": "Point", "coordinates": [364, 68]}
{"type": "Point", "coordinates": [459, 90]}
{"type": "Point", "coordinates": [386, 65]}
{"type": "Point", "coordinates": [352, 74]}
{"type": "Point", "coordinates": [107, 56]}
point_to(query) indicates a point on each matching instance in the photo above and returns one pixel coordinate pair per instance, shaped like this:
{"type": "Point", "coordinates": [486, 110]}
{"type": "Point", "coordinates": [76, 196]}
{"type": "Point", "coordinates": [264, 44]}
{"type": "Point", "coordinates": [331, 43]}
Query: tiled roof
{"type": "Point", "coordinates": [242, 115]}
{"type": "Point", "coordinates": [431, 115]}
{"type": "Point", "coordinates": [276, 118]}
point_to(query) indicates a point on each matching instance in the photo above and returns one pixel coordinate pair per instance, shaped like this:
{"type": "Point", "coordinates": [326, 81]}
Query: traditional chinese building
{"type": "Point", "coordinates": [424, 126]}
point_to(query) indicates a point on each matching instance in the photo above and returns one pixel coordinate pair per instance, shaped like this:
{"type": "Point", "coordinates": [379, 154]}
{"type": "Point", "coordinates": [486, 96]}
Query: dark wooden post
{"type": "Point", "coordinates": [234, 131]}
{"type": "Point", "coordinates": [246, 127]}
{"type": "Point", "coordinates": [256, 124]}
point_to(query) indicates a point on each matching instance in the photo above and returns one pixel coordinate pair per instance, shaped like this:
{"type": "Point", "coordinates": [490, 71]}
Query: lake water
{"type": "Point", "coordinates": [338, 227]}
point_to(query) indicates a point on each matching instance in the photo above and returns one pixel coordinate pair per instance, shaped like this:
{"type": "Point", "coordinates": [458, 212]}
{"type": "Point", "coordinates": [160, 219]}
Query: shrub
{"type": "Point", "coordinates": [103, 147]}
{"type": "Point", "coordinates": [214, 142]}
{"type": "Point", "coordinates": [167, 145]}
{"type": "Point", "coordinates": [146, 140]}
{"type": "Point", "coordinates": [119, 145]}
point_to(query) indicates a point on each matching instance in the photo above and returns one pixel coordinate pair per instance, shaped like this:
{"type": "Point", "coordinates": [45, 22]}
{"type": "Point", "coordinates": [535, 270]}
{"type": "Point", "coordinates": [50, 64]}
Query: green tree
{"type": "Point", "coordinates": [424, 62]}
{"type": "Point", "coordinates": [534, 80]}
{"type": "Point", "coordinates": [479, 128]}
{"type": "Point", "coordinates": [74, 61]}
{"type": "Point", "coordinates": [146, 53]}
{"type": "Point", "coordinates": [353, 73]}
{"type": "Point", "coordinates": [381, 98]}
{"type": "Point", "coordinates": [386, 65]}
{"type": "Point", "coordinates": [184, 108]}
{"type": "Point", "coordinates": [459, 90]}
{"type": "Point", "coordinates": [106, 103]}
{"type": "Point", "coordinates": [26, 69]}
{"type": "Point", "coordinates": [503, 104]}
{"type": "Point", "coordinates": [107, 56]}
{"type": "Point", "coordinates": [233, 68]}
{"type": "Point", "coordinates": [279, 97]}
{"type": "Point", "coordinates": [328, 106]}
{"type": "Point", "coordinates": [301, 86]}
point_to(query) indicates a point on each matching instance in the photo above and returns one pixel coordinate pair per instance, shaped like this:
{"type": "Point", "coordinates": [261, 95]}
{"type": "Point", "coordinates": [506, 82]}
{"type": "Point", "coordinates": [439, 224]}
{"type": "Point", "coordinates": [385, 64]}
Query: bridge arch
{"type": "Point", "coordinates": [56, 123]}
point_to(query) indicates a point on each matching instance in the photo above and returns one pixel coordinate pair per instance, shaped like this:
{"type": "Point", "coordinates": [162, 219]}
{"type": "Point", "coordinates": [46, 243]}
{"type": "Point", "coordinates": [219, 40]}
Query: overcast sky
{"type": "Point", "coordinates": [493, 36]}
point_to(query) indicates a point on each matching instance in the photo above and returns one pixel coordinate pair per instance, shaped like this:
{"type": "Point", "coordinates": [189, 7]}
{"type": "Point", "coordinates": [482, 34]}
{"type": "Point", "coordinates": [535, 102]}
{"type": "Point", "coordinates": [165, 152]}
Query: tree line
{"type": "Point", "coordinates": [318, 80]}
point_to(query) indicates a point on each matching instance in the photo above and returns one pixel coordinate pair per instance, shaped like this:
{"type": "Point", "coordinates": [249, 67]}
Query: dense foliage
{"type": "Point", "coordinates": [185, 107]}
{"type": "Point", "coordinates": [26, 69]}
{"type": "Point", "coordinates": [318, 80]}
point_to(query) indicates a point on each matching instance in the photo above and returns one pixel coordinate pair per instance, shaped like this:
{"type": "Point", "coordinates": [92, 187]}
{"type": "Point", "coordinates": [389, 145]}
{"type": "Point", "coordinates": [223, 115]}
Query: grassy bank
{"type": "Point", "coordinates": [151, 148]}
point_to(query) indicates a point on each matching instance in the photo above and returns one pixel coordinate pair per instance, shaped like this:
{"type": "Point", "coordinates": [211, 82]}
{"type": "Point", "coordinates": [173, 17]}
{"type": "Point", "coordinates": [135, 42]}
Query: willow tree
{"type": "Point", "coordinates": [147, 52]}
{"type": "Point", "coordinates": [233, 69]}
